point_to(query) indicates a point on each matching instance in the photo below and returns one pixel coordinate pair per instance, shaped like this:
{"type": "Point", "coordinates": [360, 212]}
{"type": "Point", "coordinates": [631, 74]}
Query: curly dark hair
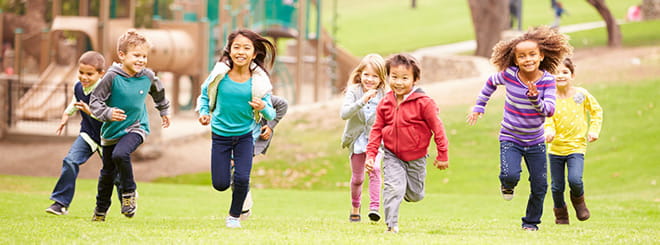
{"type": "Point", "coordinates": [553, 45]}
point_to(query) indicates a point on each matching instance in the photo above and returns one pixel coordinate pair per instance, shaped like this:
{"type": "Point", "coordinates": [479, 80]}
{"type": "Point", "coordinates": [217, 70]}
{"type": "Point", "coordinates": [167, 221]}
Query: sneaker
{"type": "Point", "coordinates": [57, 209]}
{"type": "Point", "coordinates": [98, 216]}
{"type": "Point", "coordinates": [374, 215]}
{"type": "Point", "coordinates": [245, 214]}
{"type": "Point", "coordinates": [394, 230]}
{"type": "Point", "coordinates": [507, 194]}
{"type": "Point", "coordinates": [233, 222]}
{"type": "Point", "coordinates": [530, 228]}
{"type": "Point", "coordinates": [129, 204]}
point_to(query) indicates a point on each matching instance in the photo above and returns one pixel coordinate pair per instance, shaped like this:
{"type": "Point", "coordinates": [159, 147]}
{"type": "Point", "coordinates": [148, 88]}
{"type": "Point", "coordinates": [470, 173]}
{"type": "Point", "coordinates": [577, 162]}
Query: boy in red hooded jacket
{"type": "Point", "coordinates": [406, 119]}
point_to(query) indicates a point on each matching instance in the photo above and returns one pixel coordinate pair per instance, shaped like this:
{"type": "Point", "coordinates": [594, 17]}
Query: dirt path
{"type": "Point", "coordinates": [192, 154]}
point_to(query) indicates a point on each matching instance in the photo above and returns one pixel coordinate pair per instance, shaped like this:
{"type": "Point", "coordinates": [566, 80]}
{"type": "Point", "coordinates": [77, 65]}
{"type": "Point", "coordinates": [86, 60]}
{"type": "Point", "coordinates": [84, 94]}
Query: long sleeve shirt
{"type": "Point", "coordinates": [524, 115]}
{"type": "Point", "coordinates": [570, 124]}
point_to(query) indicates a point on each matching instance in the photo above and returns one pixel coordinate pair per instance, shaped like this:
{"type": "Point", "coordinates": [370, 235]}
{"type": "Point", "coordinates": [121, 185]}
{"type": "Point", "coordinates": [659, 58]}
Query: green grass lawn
{"type": "Point", "coordinates": [462, 204]}
{"type": "Point", "coordinates": [390, 26]}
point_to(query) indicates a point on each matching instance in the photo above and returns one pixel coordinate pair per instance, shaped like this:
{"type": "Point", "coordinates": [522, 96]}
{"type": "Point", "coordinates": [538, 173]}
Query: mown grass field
{"type": "Point", "coordinates": [462, 205]}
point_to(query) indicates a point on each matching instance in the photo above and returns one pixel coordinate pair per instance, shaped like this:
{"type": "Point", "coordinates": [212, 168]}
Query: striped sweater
{"type": "Point", "coordinates": [524, 116]}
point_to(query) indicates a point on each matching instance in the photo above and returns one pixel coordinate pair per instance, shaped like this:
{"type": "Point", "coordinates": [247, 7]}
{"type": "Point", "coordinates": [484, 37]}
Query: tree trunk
{"type": "Point", "coordinates": [414, 4]}
{"type": "Point", "coordinates": [613, 30]}
{"type": "Point", "coordinates": [490, 18]}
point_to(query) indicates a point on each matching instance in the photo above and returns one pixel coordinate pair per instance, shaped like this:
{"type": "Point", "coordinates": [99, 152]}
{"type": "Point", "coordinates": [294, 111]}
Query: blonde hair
{"type": "Point", "coordinates": [376, 62]}
{"type": "Point", "coordinates": [553, 45]}
{"type": "Point", "coordinates": [131, 39]}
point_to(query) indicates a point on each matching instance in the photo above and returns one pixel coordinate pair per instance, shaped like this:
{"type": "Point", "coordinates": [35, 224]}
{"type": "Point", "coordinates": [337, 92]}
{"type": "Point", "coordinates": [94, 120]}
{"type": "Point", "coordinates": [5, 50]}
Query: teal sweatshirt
{"type": "Point", "coordinates": [119, 90]}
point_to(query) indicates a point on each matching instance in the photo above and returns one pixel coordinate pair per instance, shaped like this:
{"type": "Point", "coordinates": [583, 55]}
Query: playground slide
{"type": "Point", "coordinates": [47, 98]}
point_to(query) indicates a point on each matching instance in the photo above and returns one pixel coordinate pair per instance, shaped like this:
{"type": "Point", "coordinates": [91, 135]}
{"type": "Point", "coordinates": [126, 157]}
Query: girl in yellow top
{"type": "Point", "coordinates": [568, 131]}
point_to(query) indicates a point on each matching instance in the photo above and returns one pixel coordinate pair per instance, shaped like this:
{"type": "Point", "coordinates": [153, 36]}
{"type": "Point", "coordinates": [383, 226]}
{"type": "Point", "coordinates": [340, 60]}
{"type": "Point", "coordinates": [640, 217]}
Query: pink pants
{"type": "Point", "coordinates": [357, 178]}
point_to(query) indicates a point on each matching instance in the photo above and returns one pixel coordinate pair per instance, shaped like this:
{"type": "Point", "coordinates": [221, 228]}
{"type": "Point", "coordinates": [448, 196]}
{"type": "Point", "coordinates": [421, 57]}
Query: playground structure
{"type": "Point", "coordinates": [187, 47]}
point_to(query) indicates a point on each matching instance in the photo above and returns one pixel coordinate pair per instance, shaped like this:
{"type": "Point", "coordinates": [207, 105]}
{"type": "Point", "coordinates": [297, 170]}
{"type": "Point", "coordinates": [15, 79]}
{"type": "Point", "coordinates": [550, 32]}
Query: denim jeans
{"type": "Point", "coordinates": [79, 153]}
{"type": "Point", "coordinates": [222, 149]}
{"type": "Point", "coordinates": [575, 164]}
{"type": "Point", "coordinates": [117, 160]}
{"type": "Point", "coordinates": [510, 169]}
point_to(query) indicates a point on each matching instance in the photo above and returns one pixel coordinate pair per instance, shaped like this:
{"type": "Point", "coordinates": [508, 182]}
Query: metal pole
{"type": "Point", "coordinates": [300, 50]}
{"type": "Point", "coordinates": [319, 53]}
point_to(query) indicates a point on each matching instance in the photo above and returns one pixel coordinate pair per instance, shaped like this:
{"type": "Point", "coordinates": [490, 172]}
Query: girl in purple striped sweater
{"type": "Point", "coordinates": [526, 64]}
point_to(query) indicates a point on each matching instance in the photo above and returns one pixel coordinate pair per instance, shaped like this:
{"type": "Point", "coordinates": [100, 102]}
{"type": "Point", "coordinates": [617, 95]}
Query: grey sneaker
{"type": "Point", "coordinates": [129, 204]}
{"type": "Point", "coordinates": [233, 222]}
{"type": "Point", "coordinates": [98, 216]}
{"type": "Point", "coordinates": [57, 209]}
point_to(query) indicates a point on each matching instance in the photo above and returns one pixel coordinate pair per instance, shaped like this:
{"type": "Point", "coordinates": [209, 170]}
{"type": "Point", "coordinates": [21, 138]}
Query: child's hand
{"type": "Point", "coordinates": [118, 115]}
{"type": "Point", "coordinates": [549, 137]}
{"type": "Point", "coordinates": [591, 137]}
{"type": "Point", "coordinates": [83, 107]}
{"type": "Point", "coordinates": [204, 119]}
{"type": "Point", "coordinates": [370, 94]}
{"type": "Point", "coordinates": [257, 103]}
{"type": "Point", "coordinates": [473, 117]}
{"type": "Point", "coordinates": [60, 128]}
{"type": "Point", "coordinates": [266, 132]}
{"type": "Point", "coordinates": [533, 92]}
{"type": "Point", "coordinates": [442, 165]}
{"type": "Point", "coordinates": [166, 121]}
{"type": "Point", "coordinates": [369, 165]}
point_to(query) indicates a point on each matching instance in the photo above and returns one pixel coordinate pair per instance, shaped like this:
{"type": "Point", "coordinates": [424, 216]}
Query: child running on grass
{"type": "Point", "coordinates": [568, 133]}
{"type": "Point", "coordinates": [119, 101]}
{"type": "Point", "coordinates": [263, 134]}
{"type": "Point", "coordinates": [366, 87]}
{"type": "Point", "coordinates": [233, 98]}
{"type": "Point", "coordinates": [406, 119]}
{"type": "Point", "coordinates": [91, 67]}
{"type": "Point", "coordinates": [526, 64]}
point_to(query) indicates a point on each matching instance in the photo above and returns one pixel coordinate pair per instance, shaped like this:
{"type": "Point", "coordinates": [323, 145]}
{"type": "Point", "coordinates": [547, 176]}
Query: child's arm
{"type": "Point", "coordinates": [483, 97]}
{"type": "Point", "coordinates": [549, 129]}
{"type": "Point", "coordinates": [544, 104]}
{"type": "Point", "coordinates": [281, 106]}
{"type": "Point", "coordinates": [430, 115]}
{"type": "Point", "coordinates": [70, 110]}
{"type": "Point", "coordinates": [203, 103]}
{"type": "Point", "coordinates": [97, 102]}
{"type": "Point", "coordinates": [351, 106]}
{"type": "Point", "coordinates": [375, 139]}
{"type": "Point", "coordinates": [264, 106]}
{"type": "Point", "coordinates": [595, 117]}
{"type": "Point", "coordinates": [157, 92]}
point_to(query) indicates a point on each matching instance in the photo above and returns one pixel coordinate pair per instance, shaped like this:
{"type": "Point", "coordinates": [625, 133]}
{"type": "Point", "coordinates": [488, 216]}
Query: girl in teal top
{"type": "Point", "coordinates": [234, 97]}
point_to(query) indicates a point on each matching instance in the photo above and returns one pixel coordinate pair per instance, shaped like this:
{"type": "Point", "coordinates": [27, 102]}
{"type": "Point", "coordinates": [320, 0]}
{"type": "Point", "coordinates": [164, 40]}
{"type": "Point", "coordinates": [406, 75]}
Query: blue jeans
{"type": "Point", "coordinates": [222, 150]}
{"type": "Point", "coordinates": [78, 154]}
{"type": "Point", "coordinates": [510, 169]}
{"type": "Point", "coordinates": [117, 160]}
{"type": "Point", "coordinates": [575, 164]}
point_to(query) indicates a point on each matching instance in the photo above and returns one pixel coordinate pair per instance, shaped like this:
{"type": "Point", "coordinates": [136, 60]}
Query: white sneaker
{"type": "Point", "coordinates": [233, 222]}
{"type": "Point", "coordinates": [394, 230]}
